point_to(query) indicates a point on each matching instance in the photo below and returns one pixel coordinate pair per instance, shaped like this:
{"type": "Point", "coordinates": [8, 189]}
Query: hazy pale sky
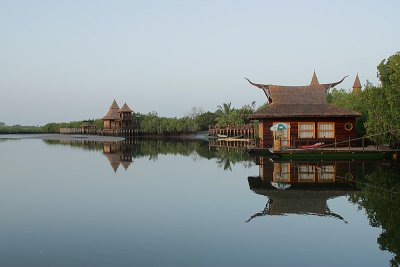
{"type": "Point", "coordinates": [68, 60]}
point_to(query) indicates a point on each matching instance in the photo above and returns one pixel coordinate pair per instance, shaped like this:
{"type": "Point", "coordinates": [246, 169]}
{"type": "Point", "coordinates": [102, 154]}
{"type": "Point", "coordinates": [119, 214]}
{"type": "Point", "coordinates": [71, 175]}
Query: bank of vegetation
{"type": "Point", "coordinates": [378, 105]}
{"type": "Point", "coordinates": [152, 124]}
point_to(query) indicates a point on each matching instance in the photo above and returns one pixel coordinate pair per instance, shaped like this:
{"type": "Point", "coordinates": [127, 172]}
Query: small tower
{"type": "Point", "coordinates": [357, 85]}
{"type": "Point", "coordinates": [125, 117]}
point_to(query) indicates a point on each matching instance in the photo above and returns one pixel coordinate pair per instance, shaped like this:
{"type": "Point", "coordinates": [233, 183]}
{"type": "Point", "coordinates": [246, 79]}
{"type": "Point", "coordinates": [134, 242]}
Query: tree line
{"type": "Point", "coordinates": [152, 124]}
{"type": "Point", "coordinates": [379, 105]}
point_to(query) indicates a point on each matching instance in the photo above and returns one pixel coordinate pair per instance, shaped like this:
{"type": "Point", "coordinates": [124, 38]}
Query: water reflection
{"type": "Point", "coordinates": [118, 154]}
{"type": "Point", "coordinates": [305, 187]}
{"type": "Point", "coordinates": [124, 152]}
{"type": "Point", "coordinates": [380, 197]}
{"type": "Point", "coordinates": [285, 196]}
{"type": "Point", "coordinates": [302, 187]}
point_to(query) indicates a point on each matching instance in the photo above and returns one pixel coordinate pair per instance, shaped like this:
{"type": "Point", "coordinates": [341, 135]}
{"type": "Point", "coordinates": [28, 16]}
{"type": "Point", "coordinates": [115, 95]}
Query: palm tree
{"type": "Point", "coordinates": [225, 114]}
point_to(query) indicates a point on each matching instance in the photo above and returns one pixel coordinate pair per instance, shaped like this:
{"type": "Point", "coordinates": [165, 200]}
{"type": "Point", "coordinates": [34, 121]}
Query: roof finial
{"type": "Point", "coordinates": [314, 79]}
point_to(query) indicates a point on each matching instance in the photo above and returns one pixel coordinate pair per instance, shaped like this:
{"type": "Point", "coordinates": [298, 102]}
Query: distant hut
{"type": "Point", "coordinates": [88, 127]}
{"type": "Point", "coordinates": [305, 109]}
{"type": "Point", "coordinates": [111, 120]}
{"type": "Point", "coordinates": [118, 119]}
{"type": "Point", "coordinates": [125, 117]}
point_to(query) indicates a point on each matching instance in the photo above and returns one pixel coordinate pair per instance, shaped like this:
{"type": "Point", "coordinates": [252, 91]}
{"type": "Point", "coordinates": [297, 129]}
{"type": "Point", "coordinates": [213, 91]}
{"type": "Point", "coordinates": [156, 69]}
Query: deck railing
{"type": "Point", "coordinates": [244, 131]}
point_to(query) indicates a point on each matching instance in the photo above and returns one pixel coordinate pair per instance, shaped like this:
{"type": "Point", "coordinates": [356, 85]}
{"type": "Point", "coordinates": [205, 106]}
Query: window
{"type": "Point", "coordinates": [348, 126]}
{"type": "Point", "coordinates": [281, 172]}
{"type": "Point", "coordinates": [306, 130]}
{"type": "Point", "coordinates": [326, 173]}
{"type": "Point", "coordinates": [306, 173]}
{"type": "Point", "coordinates": [326, 130]}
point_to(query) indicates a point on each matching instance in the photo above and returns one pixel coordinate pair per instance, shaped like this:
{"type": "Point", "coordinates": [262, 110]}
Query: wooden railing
{"type": "Point", "coordinates": [108, 132]}
{"type": "Point", "coordinates": [244, 131]}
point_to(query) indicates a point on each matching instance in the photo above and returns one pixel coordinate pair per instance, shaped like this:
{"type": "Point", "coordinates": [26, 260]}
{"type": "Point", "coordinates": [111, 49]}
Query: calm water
{"type": "Point", "coordinates": [184, 204]}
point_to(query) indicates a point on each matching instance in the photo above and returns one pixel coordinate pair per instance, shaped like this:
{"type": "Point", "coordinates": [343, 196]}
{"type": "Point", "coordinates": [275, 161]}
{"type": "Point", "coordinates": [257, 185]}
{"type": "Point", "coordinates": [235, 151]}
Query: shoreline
{"type": "Point", "coordinates": [68, 137]}
{"type": "Point", "coordinates": [99, 138]}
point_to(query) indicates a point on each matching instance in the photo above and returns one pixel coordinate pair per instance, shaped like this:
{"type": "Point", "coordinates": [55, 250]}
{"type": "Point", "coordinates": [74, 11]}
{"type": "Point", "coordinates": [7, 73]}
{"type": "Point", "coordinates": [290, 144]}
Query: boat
{"type": "Point", "coordinates": [222, 136]}
{"type": "Point", "coordinates": [313, 146]}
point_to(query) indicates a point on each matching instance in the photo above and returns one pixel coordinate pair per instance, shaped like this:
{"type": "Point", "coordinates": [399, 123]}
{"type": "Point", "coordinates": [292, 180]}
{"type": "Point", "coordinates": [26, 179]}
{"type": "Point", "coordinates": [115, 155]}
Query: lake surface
{"type": "Point", "coordinates": [182, 203]}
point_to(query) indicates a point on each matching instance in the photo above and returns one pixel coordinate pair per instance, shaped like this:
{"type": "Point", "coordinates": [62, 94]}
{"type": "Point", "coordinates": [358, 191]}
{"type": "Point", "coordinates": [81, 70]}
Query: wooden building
{"type": "Point", "coordinates": [118, 118]}
{"type": "Point", "coordinates": [310, 117]}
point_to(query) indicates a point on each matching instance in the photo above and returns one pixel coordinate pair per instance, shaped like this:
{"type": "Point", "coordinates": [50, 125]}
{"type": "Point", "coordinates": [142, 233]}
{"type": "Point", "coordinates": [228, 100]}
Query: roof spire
{"type": "Point", "coordinates": [114, 105]}
{"type": "Point", "coordinates": [314, 79]}
{"type": "Point", "coordinates": [357, 84]}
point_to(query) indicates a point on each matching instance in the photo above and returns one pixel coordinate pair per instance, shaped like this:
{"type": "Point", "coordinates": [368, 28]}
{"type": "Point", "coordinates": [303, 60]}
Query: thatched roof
{"type": "Point", "coordinates": [126, 164]}
{"type": "Point", "coordinates": [301, 202]}
{"type": "Point", "coordinates": [113, 112]}
{"type": "Point", "coordinates": [113, 158]}
{"type": "Point", "coordinates": [302, 110]}
{"type": "Point", "coordinates": [300, 101]}
{"type": "Point", "coordinates": [125, 108]}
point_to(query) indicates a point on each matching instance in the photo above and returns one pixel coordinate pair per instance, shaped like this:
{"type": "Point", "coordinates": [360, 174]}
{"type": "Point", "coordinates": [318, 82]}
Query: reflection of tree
{"type": "Point", "coordinates": [380, 198]}
{"type": "Point", "coordinates": [82, 144]}
{"type": "Point", "coordinates": [152, 148]}
{"type": "Point", "coordinates": [226, 158]}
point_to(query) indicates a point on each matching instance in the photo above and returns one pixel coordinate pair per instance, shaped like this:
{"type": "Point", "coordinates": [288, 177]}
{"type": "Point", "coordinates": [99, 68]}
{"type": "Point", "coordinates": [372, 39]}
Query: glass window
{"type": "Point", "coordinates": [281, 172]}
{"type": "Point", "coordinates": [327, 173]}
{"type": "Point", "coordinates": [306, 173]}
{"type": "Point", "coordinates": [306, 130]}
{"type": "Point", "coordinates": [326, 130]}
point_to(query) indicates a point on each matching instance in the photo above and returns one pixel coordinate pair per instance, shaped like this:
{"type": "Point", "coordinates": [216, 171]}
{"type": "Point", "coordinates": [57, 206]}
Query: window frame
{"type": "Point", "coordinates": [304, 177]}
{"type": "Point", "coordinates": [333, 129]}
{"type": "Point", "coordinates": [298, 130]}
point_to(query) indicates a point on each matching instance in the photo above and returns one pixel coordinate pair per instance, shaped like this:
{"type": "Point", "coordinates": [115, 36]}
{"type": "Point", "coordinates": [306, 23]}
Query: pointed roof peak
{"type": "Point", "coordinates": [126, 164]}
{"type": "Point", "coordinates": [125, 108]}
{"type": "Point", "coordinates": [114, 105]}
{"type": "Point", "coordinates": [356, 84]}
{"type": "Point", "coordinates": [314, 79]}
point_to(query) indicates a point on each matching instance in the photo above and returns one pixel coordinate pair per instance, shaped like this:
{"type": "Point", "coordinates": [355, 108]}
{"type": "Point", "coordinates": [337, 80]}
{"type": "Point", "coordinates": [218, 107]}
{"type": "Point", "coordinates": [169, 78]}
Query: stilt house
{"type": "Point", "coordinates": [305, 109]}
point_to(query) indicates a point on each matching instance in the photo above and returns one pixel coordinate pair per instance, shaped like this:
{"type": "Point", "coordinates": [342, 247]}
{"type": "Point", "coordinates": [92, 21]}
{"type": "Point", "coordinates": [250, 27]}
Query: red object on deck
{"type": "Point", "coordinates": [313, 146]}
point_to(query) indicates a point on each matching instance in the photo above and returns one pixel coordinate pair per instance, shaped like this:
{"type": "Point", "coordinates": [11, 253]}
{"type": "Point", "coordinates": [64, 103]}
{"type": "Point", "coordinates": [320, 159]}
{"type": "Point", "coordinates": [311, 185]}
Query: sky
{"type": "Point", "coordinates": [68, 60]}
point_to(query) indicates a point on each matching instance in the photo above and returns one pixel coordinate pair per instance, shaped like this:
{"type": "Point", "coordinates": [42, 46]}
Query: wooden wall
{"type": "Point", "coordinates": [341, 134]}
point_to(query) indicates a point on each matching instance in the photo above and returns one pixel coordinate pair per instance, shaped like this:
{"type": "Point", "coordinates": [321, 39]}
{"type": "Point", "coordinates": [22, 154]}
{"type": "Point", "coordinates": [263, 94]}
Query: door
{"type": "Point", "coordinates": [284, 134]}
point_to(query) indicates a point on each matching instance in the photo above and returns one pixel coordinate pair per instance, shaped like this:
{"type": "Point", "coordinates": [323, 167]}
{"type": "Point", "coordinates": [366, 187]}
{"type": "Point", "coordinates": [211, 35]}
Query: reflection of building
{"type": "Point", "coordinates": [306, 110]}
{"type": "Point", "coordinates": [302, 187]}
{"type": "Point", "coordinates": [118, 154]}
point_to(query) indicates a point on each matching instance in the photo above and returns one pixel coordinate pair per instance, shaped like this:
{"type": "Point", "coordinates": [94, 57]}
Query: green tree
{"type": "Point", "coordinates": [383, 103]}
{"type": "Point", "coordinates": [205, 120]}
{"type": "Point", "coordinates": [227, 115]}
{"type": "Point", "coordinates": [352, 101]}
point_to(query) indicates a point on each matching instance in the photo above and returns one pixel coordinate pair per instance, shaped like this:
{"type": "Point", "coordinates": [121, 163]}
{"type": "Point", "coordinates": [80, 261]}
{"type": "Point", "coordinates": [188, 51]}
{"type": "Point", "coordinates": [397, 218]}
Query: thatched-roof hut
{"type": "Point", "coordinates": [305, 109]}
